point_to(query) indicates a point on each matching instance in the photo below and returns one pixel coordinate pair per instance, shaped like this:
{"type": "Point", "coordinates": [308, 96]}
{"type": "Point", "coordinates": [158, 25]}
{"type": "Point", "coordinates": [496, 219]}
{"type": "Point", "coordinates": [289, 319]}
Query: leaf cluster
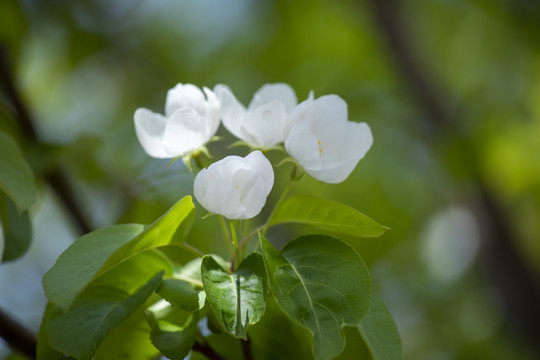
{"type": "Point", "coordinates": [113, 293]}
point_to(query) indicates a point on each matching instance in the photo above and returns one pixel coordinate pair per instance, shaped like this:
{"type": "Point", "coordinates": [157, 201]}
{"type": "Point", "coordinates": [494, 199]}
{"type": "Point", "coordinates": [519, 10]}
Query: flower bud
{"type": "Point", "coordinates": [235, 187]}
{"type": "Point", "coordinates": [190, 121]}
{"type": "Point", "coordinates": [323, 141]}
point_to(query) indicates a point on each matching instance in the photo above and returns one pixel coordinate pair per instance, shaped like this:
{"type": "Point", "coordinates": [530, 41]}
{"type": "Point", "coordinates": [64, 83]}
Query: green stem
{"type": "Point", "coordinates": [235, 244]}
{"type": "Point", "coordinates": [223, 225]}
{"type": "Point", "coordinates": [192, 249]}
{"type": "Point", "coordinates": [252, 233]}
{"type": "Point", "coordinates": [264, 228]}
{"type": "Point", "coordinates": [281, 198]}
{"type": "Point", "coordinates": [198, 161]}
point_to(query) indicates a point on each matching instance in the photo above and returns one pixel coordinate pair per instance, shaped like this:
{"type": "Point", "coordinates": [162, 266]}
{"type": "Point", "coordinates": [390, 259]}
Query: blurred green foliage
{"type": "Point", "coordinates": [83, 68]}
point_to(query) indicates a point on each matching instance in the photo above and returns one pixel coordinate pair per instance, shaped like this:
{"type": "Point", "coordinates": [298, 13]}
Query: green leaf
{"type": "Point", "coordinates": [181, 294]}
{"type": "Point", "coordinates": [128, 341]}
{"type": "Point", "coordinates": [16, 178]}
{"type": "Point", "coordinates": [17, 231]}
{"type": "Point", "coordinates": [327, 215]}
{"type": "Point", "coordinates": [321, 283]}
{"type": "Point", "coordinates": [237, 299]}
{"type": "Point", "coordinates": [355, 348]}
{"type": "Point", "coordinates": [380, 332]}
{"type": "Point", "coordinates": [191, 272]}
{"type": "Point", "coordinates": [44, 350]}
{"type": "Point", "coordinates": [104, 304]}
{"type": "Point", "coordinates": [175, 342]}
{"type": "Point", "coordinates": [276, 336]}
{"type": "Point", "coordinates": [94, 254]}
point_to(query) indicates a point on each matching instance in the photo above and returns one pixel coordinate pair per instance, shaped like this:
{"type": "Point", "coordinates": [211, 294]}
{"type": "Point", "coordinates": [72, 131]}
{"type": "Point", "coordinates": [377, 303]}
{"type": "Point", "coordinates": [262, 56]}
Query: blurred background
{"type": "Point", "coordinates": [450, 89]}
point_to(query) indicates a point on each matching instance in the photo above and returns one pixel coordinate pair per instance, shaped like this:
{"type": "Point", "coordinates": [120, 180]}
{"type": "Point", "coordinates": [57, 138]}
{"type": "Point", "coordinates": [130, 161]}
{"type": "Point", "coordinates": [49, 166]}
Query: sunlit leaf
{"type": "Point", "coordinates": [17, 231]}
{"type": "Point", "coordinates": [97, 252]}
{"type": "Point", "coordinates": [321, 283]}
{"type": "Point", "coordinates": [326, 214]}
{"type": "Point", "coordinates": [380, 332]}
{"type": "Point", "coordinates": [191, 271]}
{"type": "Point", "coordinates": [104, 304]}
{"type": "Point", "coordinates": [181, 294]}
{"type": "Point", "coordinates": [237, 299]}
{"type": "Point", "coordinates": [16, 178]}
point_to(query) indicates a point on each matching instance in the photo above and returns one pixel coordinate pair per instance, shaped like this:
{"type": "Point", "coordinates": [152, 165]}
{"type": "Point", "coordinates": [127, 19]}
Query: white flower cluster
{"type": "Point", "coordinates": [316, 133]}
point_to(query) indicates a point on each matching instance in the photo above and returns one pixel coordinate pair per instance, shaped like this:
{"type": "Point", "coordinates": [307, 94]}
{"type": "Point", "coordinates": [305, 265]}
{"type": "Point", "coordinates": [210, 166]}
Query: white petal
{"type": "Point", "coordinates": [262, 168]}
{"type": "Point", "coordinates": [303, 145]}
{"type": "Point", "coordinates": [185, 131]}
{"type": "Point", "coordinates": [149, 128]}
{"type": "Point", "coordinates": [232, 112]}
{"type": "Point", "coordinates": [361, 137]}
{"type": "Point", "coordinates": [185, 95]}
{"type": "Point", "coordinates": [254, 199]}
{"type": "Point", "coordinates": [331, 106]}
{"type": "Point", "coordinates": [304, 111]}
{"type": "Point", "coordinates": [200, 186]}
{"type": "Point", "coordinates": [342, 148]}
{"type": "Point", "coordinates": [213, 112]}
{"type": "Point", "coordinates": [235, 187]}
{"type": "Point", "coordinates": [216, 195]}
{"type": "Point", "coordinates": [334, 175]}
{"type": "Point", "coordinates": [224, 199]}
{"type": "Point", "coordinates": [324, 109]}
{"type": "Point", "coordinates": [274, 92]}
{"type": "Point", "coordinates": [265, 124]}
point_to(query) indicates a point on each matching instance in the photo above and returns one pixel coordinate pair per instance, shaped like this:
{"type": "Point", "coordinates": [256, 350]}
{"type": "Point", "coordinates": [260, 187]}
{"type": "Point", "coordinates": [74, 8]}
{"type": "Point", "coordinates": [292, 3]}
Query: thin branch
{"type": "Point", "coordinates": [246, 349]}
{"type": "Point", "coordinates": [207, 351]}
{"type": "Point", "coordinates": [8, 86]}
{"type": "Point", "coordinates": [62, 187]}
{"type": "Point", "coordinates": [17, 336]}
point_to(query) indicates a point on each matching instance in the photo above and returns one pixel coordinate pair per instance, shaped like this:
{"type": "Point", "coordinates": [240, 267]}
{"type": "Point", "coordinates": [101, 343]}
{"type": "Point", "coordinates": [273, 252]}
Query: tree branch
{"type": "Point", "coordinates": [413, 71]}
{"type": "Point", "coordinates": [207, 351]}
{"type": "Point", "coordinates": [57, 179]}
{"type": "Point", "coordinates": [17, 336]}
{"type": "Point", "coordinates": [517, 282]}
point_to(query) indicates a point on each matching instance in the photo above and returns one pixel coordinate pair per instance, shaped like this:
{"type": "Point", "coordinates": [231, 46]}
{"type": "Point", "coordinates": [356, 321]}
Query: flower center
{"type": "Point", "coordinates": [320, 148]}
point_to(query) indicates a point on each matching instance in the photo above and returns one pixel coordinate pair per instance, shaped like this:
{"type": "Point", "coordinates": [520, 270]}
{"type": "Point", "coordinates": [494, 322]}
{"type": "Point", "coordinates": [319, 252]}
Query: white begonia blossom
{"type": "Point", "coordinates": [323, 141]}
{"type": "Point", "coordinates": [235, 187]}
{"type": "Point", "coordinates": [190, 120]}
{"type": "Point", "coordinates": [262, 124]}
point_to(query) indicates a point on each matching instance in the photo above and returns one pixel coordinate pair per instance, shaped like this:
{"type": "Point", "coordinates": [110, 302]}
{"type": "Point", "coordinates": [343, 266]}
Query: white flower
{"type": "Point", "coordinates": [323, 141]}
{"type": "Point", "coordinates": [262, 124]}
{"type": "Point", "coordinates": [235, 187]}
{"type": "Point", "coordinates": [190, 121]}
